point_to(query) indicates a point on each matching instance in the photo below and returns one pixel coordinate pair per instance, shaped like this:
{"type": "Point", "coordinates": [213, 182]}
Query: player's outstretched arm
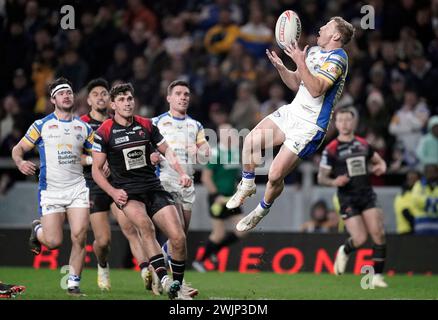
{"type": "Point", "coordinates": [290, 78]}
{"type": "Point", "coordinates": [316, 86]}
{"type": "Point", "coordinates": [26, 167]}
{"type": "Point", "coordinates": [173, 161]}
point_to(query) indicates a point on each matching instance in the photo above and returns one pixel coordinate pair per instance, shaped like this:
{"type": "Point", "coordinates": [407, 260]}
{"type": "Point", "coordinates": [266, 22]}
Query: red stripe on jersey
{"type": "Point", "coordinates": [86, 118]}
{"type": "Point", "coordinates": [104, 130]}
{"type": "Point", "coordinates": [144, 122]}
{"type": "Point", "coordinates": [332, 146]}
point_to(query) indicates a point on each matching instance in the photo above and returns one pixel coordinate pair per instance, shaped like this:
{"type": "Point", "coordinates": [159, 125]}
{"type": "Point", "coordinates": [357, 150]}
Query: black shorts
{"type": "Point", "coordinates": [154, 200]}
{"type": "Point", "coordinates": [99, 202]}
{"type": "Point", "coordinates": [354, 205]}
{"type": "Point", "coordinates": [224, 213]}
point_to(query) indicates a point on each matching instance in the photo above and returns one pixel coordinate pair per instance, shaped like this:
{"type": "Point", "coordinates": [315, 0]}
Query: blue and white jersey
{"type": "Point", "coordinates": [332, 66]}
{"type": "Point", "coordinates": [60, 144]}
{"type": "Point", "coordinates": [182, 135]}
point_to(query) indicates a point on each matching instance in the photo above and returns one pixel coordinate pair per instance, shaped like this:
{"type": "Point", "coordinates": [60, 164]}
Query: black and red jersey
{"type": "Point", "coordinates": [94, 124]}
{"type": "Point", "coordinates": [351, 159]}
{"type": "Point", "coordinates": [128, 151]}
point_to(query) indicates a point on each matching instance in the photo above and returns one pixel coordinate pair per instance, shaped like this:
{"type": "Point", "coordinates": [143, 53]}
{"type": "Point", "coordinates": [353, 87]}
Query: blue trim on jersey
{"type": "Point", "coordinates": [327, 106]}
{"type": "Point", "coordinates": [43, 167]}
{"type": "Point", "coordinates": [312, 146]}
{"type": "Point", "coordinates": [158, 171]}
{"type": "Point", "coordinates": [157, 119]}
{"type": "Point", "coordinates": [176, 118]}
{"type": "Point", "coordinates": [40, 209]}
{"type": "Point", "coordinates": [73, 118]}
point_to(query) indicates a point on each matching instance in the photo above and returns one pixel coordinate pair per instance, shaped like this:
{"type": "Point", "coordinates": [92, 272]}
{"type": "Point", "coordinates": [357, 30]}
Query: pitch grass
{"type": "Point", "coordinates": [127, 285]}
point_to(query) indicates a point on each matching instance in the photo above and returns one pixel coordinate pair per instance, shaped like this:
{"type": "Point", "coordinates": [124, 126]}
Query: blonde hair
{"type": "Point", "coordinates": [345, 28]}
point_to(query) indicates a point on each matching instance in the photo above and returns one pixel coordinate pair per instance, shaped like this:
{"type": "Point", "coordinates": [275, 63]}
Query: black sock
{"type": "Point", "coordinates": [158, 263]}
{"type": "Point", "coordinates": [178, 268]}
{"type": "Point", "coordinates": [349, 246]}
{"type": "Point", "coordinates": [143, 265]}
{"type": "Point", "coordinates": [230, 238]}
{"type": "Point", "coordinates": [379, 255]}
{"type": "Point", "coordinates": [210, 248]}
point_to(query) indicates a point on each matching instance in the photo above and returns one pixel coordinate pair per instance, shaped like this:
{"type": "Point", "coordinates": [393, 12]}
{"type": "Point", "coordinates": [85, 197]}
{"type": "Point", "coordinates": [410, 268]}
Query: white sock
{"type": "Point", "coordinates": [73, 281]}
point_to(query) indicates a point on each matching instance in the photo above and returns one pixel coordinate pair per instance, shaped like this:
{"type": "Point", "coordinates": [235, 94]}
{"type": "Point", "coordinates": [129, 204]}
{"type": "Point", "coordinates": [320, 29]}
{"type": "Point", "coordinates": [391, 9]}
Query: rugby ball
{"type": "Point", "coordinates": [287, 29]}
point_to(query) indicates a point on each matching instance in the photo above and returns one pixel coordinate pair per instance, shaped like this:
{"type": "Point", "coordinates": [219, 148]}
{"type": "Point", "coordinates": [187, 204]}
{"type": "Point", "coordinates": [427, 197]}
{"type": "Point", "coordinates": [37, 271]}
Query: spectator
{"type": "Point", "coordinates": [179, 41]}
{"type": "Point", "coordinates": [120, 69]}
{"type": "Point", "coordinates": [138, 12]}
{"type": "Point", "coordinates": [145, 87]}
{"type": "Point", "coordinates": [403, 204]}
{"type": "Point", "coordinates": [220, 38]}
{"type": "Point", "coordinates": [73, 68]}
{"type": "Point", "coordinates": [23, 92]}
{"type": "Point", "coordinates": [375, 116]}
{"type": "Point", "coordinates": [245, 109]}
{"type": "Point", "coordinates": [156, 56]}
{"type": "Point", "coordinates": [318, 219]}
{"type": "Point", "coordinates": [406, 125]}
{"type": "Point", "coordinates": [255, 36]}
{"type": "Point", "coordinates": [427, 151]}
{"type": "Point", "coordinates": [275, 101]}
{"type": "Point", "coordinates": [424, 195]}
{"type": "Point", "coordinates": [138, 39]}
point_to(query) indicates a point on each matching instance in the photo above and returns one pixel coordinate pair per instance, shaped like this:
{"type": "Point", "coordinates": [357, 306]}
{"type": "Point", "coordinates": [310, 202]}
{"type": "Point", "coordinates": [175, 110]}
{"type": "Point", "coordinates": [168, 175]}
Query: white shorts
{"type": "Point", "coordinates": [185, 196]}
{"type": "Point", "coordinates": [302, 137]}
{"type": "Point", "coordinates": [57, 201]}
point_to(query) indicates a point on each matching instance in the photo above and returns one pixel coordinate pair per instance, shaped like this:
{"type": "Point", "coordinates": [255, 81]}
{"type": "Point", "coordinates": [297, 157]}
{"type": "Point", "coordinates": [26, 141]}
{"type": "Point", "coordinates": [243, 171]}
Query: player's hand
{"type": "Point", "coordinates": [221, 200]}
{"type": "Point", "coordinates": [296, 54]}
{"type": "Point", "coordinates": [155, 158]}
{"type": "Point", "coordinates": [106, 169]}
{"type": "Point", "coordinates": [379, 168]}
{"type": "Point", "coordinates": [275, 60]}
{"type": "Point", "coordinates": [341, 181]}
{"type": "Point", "coordinates": [27, 168]}
{"type": "Point", "coordinates": [120, 197]}
{"type": "Point", "coordinates": [185, 180]}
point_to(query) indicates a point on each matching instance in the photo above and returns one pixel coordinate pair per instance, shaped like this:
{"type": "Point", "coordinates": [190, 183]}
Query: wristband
{"type": "Point", "coordinates": [89, 160]}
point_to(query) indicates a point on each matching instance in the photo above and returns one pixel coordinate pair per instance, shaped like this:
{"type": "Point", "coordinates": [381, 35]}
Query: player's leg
{"type": "Point", "coordinates": [137, 250]}
{"type": "Point", "coordinates": [101, 246]}
{"type": "Point", "coordinates": [358, 236]}
{"type": "Point", "coordinates": [218, 233]}
{"type": "Point", "coordinates": [373, 218]}
{"type": "Point", "coordinates": [102, 236]}
{"type": "Point", "coordinates": [283, 164]}
{"type": "Point", "coordinates": [136, 213]}
{"type": "Point", "coordinates": [79, 219]}
{"type": "Point", "coordinates": [166, 218]}
{"type": "Point", "coordinates": [265, 135]}
{"type": "Point", "coordinates": [49, 231]}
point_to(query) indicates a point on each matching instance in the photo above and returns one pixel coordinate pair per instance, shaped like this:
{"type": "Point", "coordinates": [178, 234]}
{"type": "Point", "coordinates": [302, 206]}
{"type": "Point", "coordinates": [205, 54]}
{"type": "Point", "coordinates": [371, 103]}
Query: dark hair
{"type": "Point", "coordinates": [349, 109]}
{"type": "Point", "coordinates": [57, 82]}
{"type": "Point", "coordinates": [99, 82]}
{"type": "Point", "coordinates": [121, 89]}
{"type": "Point", "coordinates": [175, 83]}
